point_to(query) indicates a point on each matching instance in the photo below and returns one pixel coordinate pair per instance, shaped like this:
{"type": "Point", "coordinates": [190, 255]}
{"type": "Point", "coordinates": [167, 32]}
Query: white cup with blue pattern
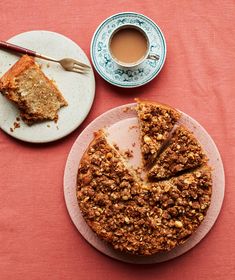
{"type": "Point", "coordinates": [129, 48]}
{"type": "Point", "coordinates": [118, 74]}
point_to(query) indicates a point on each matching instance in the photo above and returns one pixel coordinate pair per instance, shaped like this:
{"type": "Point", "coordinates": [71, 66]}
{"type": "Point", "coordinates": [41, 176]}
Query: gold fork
{"type": "Point", "coordinates": [68, 64]}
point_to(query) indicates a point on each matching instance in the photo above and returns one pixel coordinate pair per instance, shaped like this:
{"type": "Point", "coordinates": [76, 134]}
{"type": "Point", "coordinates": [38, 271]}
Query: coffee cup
{"type": "Point", "coordinates": [129, 46]}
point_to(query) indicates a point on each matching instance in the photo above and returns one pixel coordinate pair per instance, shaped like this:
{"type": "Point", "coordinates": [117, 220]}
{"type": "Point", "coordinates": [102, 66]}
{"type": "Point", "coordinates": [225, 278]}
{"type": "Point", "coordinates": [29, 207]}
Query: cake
{"type": "Point", "coordinates": [156, 121]}
{"type": "Point", "coordinates": [181, 153]}
{"type": "Point", "coordinates": [36, 97]}
{"type": "Point", "coordinates": [134, 216]}
{"type": "Point", "coordinates": [106, 193]}
{"type": "Point", "coordinates": [183, 202]}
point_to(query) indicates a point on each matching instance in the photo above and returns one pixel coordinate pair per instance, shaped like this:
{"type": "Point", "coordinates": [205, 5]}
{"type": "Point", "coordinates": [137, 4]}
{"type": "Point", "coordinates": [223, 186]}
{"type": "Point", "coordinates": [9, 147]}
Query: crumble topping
{"type": "Point", "coordinates": [156, 122]}
{"type": "Point", "coordinates": [134, 216]}
{"type": "Point", "coordinates": [183, 152]}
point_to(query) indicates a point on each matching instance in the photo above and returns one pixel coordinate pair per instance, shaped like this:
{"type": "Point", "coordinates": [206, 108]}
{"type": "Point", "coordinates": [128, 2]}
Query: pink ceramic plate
{"type": "Point", "coordinates": [122, 126]}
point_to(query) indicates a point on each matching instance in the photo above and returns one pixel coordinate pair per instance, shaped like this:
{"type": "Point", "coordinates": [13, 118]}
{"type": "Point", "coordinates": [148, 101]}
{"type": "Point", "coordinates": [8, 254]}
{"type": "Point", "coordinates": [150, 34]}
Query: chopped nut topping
{"type": "Point", "coordinates": [182, 153]}
{"type": "Point", "coordinates": [147, 139]}
{"type": "Point", "coordinates": [109, 155]}
{"type": "Point", "coordinates": [159, 137]}
{"type": "Point", "coordinates": [178, 224]}
{"type": "Point", "coordinates": [156, 121]}
{"type": "Point", "coordinates": [138, 216]}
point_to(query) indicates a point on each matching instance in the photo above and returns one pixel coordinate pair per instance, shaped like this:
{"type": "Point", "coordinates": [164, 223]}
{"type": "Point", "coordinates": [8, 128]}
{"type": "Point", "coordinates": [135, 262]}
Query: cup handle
{"type": "Point", "coordinates": [153, 56]}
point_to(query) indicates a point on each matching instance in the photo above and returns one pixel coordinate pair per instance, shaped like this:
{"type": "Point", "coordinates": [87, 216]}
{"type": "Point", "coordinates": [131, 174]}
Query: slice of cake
{"type": "Point", "coordinates": [37, 97]}
{"type": "Point", "coordinates": [183, 152]}
{"type": "Point", "coordinates": [156, 122]}
{"type": "Point", "coordinates": [183, 202]}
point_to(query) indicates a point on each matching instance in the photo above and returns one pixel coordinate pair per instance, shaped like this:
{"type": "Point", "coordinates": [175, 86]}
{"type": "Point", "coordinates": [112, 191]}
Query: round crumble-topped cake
{"type": "Point", "coordinates": [143, 217]}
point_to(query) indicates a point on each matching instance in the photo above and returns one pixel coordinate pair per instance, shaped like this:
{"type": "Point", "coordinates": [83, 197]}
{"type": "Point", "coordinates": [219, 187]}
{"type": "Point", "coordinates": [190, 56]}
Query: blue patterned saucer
{"type": "Point", "coordinates": [106, 66]}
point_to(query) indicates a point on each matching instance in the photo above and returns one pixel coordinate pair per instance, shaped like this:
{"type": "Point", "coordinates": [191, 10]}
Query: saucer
{"type": "Point", "coordinates": [127, 77]}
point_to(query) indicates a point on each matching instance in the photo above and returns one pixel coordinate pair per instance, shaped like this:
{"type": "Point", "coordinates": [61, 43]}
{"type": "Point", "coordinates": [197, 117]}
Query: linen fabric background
{"type": "Point", "coordinates": [37, 237]}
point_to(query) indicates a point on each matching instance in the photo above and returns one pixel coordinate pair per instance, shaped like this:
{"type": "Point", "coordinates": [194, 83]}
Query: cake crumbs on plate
{"type": "Point", "coordinates": [16, 124]}
{"type": "Point", "coordinates": [128, 153]}
{"type": "Point", "coordinates": [128, 109]}
{"type": "Point", "coordinates": [133, 127]}
{"type": "Point", "coordinates": [48, 125]}
{"type": "Point", "coordinates": [133, 144]}
{"type": "Point", "coordinates": [116, 146]}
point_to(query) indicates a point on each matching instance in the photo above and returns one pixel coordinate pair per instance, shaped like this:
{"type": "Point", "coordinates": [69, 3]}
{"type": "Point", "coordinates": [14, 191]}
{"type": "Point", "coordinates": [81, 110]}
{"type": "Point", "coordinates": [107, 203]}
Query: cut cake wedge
{"type": "Point", "coordinates": [183, 152]}
{"type": "Point", "coordinates": [37, 97]}
{"type": "Point", "coordinates": [156, 121]}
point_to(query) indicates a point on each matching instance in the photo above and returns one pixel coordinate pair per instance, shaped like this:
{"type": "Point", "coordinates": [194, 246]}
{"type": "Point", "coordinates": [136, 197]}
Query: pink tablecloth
{"type": "Point", "coordinates": [37, 237]}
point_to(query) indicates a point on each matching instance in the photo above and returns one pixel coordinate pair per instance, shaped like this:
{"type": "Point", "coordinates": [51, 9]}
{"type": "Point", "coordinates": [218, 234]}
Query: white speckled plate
{"type": "Point", "coordinates": [78, 90]}
{"type": "Point", "coordinates": [127, 77]}
{"type": "Point", "coordinates": [122, 127]}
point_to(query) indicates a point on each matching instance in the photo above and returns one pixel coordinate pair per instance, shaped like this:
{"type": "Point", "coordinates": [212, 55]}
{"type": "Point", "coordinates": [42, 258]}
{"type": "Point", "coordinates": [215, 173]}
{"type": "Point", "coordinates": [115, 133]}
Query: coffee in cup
{"type": "Point", "coordinates": [129, 46]}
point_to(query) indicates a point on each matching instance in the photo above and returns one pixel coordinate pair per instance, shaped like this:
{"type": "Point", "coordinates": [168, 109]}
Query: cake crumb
{"type": "Point", "coordinates": [116, 146]}
{"type": "Point", "coordinates": [133, 127]}
{"type": "Point", "coordinates": [48, 65]}
{"type": "Point", "coordinates": [126, 109]}
{"type": "Point", "coordinates": [48, 125]}
{"type": "Point", "coordinates": [18, 119]}
{"type": "Point", "coordinates": [128, 153]}
{"type": "Point", "coordinates": [133, 144]}
{"type": "Point", "coordinates": [16, 125]}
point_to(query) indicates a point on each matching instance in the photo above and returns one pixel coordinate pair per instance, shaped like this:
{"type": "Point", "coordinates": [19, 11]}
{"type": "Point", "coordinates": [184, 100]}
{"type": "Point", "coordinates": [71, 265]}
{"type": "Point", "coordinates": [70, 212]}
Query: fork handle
{"type": "Point", "coordinates": [18, 49]}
